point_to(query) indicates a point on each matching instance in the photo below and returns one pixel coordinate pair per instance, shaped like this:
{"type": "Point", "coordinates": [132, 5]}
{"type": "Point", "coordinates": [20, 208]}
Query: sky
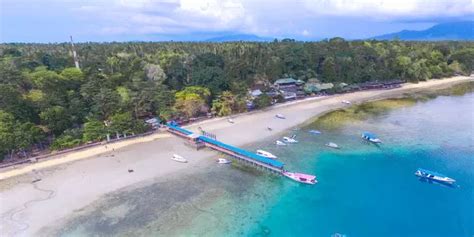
{"type": "Point", "coordinates": [188, 20]}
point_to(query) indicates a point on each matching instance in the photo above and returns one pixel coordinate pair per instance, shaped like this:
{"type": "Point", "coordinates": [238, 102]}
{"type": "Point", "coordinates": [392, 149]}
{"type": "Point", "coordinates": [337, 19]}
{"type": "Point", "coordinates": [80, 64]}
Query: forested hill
{"type": "Point", "coordinates": [45, 100]}
{"type": "Point", "coordinates": [445, 31]}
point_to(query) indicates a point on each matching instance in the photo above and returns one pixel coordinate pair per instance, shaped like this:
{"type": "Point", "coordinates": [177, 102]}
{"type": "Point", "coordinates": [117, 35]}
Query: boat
{"type": "Point", "coordinates": [346, 102]}
{"type": "Point", "coordinates": [314, 131]}
{"type": "Point", "coordinates": [280, 143]}
{"type": "Point", "coordinates": [289, 140]}
{"type": "Point", "coordinates": [332, 145]}
{"type": "Point", "coordinates": [223, 161]}
{"type": "Point", "coordinates": [179, 158]}
{"type": "Point", "coordinates": [266, 154]}
{"type": "Point", "coordinates": [230, 120]}
{"type": "Point", "coordinates": [371, 137]}
{"type": "Point", "coordinates": [299, 177]}
{"type": "Point", "coordinates": [280, 116]}
{"type": "Point", "coordinates": [426, 174]}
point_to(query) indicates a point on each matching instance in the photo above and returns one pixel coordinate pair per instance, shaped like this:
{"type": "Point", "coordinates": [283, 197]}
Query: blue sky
{"type": "Point", "coordinates": [157, 20]}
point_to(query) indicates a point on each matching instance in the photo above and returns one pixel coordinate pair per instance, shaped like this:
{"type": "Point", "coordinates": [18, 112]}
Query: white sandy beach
{"type": "Point", "coordinates": [72, 181]}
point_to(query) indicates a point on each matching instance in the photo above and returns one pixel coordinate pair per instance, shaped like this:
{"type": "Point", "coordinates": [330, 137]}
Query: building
{"type": "Point", "coordinates": [285, 83]}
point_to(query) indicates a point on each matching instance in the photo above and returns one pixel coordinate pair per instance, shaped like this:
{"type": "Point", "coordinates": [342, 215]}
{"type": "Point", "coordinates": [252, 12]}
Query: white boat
{"type": "Point", "coordinates": [426, 174]}
{"type": "Point", "coordinates": [223, 161]}
{"type": "Point", "coordinates": [346, 102]}
{"type": "Point", "coordinates": [280, 116]}
{"type": "Point", "coordinates": [266, 154]}
{"type": "Point", "coordinates": [179, 158]}
{"type": "Point", "coordinates": [332, 145]}
{"type": "Point", "coordinates": [280, 143]}
{"type": "Point", "coordinates": [289, 140]}
{"type": "Point", "coordinates": [371, 137]}
{"type": "Point", "coordinates": [299, 177]}
{"type": "Point", "coordinates": [230, 120]}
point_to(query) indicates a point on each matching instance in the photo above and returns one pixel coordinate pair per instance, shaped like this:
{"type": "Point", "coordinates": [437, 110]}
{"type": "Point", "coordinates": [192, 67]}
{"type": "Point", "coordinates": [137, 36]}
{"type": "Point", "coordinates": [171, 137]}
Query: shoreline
{"type": "Point", "coordinates": [63, 158]}
{"type": "Point", "coordinates": [149, 158]}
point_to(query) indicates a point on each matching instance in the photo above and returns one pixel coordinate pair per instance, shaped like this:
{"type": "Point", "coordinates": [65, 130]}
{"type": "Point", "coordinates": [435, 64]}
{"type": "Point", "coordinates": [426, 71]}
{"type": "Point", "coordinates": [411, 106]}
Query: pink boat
{"type": "Point", "coordinates": [299, 177]}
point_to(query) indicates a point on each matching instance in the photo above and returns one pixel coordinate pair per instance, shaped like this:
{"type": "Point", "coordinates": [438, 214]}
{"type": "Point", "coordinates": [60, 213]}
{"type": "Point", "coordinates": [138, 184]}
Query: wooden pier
{"type": "Point", "coordinates": [245, 156]}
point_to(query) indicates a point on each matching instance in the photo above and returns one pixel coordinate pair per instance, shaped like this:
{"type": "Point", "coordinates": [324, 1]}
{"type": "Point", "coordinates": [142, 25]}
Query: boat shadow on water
{"type": "Point", "coordinates": [425, 180]}
{"type": "Point", "coordinates": [377, 145]}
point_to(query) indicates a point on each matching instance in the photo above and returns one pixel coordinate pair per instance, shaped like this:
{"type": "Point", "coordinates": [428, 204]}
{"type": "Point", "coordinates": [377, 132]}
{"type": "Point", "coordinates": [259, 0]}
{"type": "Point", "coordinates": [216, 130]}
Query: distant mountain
{"type": "Point", "coordinates": [238, 37]}
{"type": "Point", "coordinates": [446, 31]}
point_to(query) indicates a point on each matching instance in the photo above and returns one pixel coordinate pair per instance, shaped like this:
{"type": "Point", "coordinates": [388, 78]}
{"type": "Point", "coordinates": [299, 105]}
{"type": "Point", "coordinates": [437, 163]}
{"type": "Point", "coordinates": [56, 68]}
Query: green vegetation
{"type": "Point", "coordinates": [43, 98]}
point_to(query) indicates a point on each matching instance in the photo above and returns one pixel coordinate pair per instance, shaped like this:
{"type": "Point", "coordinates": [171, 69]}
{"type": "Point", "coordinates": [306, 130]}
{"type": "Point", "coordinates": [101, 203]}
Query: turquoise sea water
{"type": "Point", "coordinates": [367, 190]}
{"type": "Point", "coordinates": [363, 189]}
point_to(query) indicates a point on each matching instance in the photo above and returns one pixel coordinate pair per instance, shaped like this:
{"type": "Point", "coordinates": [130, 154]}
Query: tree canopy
{"type": "Point", "coordinates": [118, 85]}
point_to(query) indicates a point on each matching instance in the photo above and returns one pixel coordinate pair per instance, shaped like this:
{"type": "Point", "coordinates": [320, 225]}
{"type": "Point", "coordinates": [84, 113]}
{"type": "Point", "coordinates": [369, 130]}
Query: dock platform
{"type": "Point", "coordinates": [236, 152]}
{"type": "Point", "coordinates": [243, 155]}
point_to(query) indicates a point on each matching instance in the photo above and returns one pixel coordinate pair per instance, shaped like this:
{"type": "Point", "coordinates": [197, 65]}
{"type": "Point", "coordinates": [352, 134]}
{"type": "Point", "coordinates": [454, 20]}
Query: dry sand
{"type": "Point", "coordinates": [71, 182]}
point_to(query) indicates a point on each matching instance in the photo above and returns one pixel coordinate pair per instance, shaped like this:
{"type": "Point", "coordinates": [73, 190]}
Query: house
{"type": "Point", "coordinates": [313, 85]}
{"type": "Point", "coordinates": [256, 93]}
{"type": "Point", "coordinates": [285, 83]}
{"type": "Point", "coordinates": [153, 122]}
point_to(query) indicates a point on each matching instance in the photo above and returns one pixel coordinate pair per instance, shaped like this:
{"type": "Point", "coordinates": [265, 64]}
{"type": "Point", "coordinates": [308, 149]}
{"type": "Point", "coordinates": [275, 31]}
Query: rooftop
{"type": "Point", "coordinates": [285, 81]}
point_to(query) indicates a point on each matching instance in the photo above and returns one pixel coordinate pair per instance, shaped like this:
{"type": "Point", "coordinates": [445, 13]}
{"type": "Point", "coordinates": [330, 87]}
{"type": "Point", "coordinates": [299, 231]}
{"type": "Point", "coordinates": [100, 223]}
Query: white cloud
{"type": "Point", "coordinates": [263, 17]}
{"type": "Point", "coordinates": [391, 8]}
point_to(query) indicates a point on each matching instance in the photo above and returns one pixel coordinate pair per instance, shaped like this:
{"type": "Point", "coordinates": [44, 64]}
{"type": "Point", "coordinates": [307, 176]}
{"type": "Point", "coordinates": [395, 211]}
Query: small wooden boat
{"type": "Point", "coordinates": [266, 154]}
{"type": "Point", "coordinates": [332, 145]}
{"type": "Point", "coordinates": [280, 143]}
{"type": "Point", "coordinates": [223, 161]}
{"type": "Point", "coordinates": [179, 158]}
{"type": "Point", "coordinates": [289, 140]}
{"type": "Point", "coordinates": [371, 137]}
{"type": "Point", "coordinates": [426, 174]}
{"type": "Point", "coordinates": [280, 116]}
{"type": "Point", "coordinates": [299, 177]}
{"type": "Point", "coordinates": [314, 131]}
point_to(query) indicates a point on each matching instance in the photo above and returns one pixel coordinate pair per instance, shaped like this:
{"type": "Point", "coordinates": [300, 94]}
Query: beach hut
{"type": "Point", "coordinates": [285, 83]}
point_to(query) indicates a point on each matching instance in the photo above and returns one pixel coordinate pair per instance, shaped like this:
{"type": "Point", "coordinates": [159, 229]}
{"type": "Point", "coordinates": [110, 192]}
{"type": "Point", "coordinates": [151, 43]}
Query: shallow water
{"type": "Point", "coordinates": [363, 189]}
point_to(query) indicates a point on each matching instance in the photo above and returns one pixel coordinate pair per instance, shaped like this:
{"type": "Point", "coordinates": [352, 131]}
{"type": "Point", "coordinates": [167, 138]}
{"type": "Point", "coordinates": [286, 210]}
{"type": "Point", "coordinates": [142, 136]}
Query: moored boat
{"type": "Point", "coordinates": [332, 145]}
{"type": "Point", "coordinates": [426, 174]}
{"type": "Point", "coordinates": [280, 143]}
{"type": "Point", "coordinates": [280, 116]}
{"type": "Point", "coordinates": [230, 120]}
{"type": "Point", "coordinates": [371, 137]}
{"type": "Point", "coordinates": [266, 154]}
{"type": "Point", "coordinates": [179, 158]}
{"type": "Point", "coordinates": [223, 161]}
{"type": "Point", "coordinates": [346, 102]}
{"type": "Point", "coordinates": [289, 140]}
{"type": "Point", "coordinates": [299, 177]}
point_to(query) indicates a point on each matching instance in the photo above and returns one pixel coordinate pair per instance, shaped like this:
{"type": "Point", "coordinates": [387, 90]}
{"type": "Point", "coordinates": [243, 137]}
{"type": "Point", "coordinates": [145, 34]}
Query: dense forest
{"type": "Point", "coordinates": [46, 102]}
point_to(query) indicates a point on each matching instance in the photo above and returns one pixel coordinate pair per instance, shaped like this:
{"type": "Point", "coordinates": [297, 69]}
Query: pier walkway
{"type": "Point", "coordinates": [238, 153]}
